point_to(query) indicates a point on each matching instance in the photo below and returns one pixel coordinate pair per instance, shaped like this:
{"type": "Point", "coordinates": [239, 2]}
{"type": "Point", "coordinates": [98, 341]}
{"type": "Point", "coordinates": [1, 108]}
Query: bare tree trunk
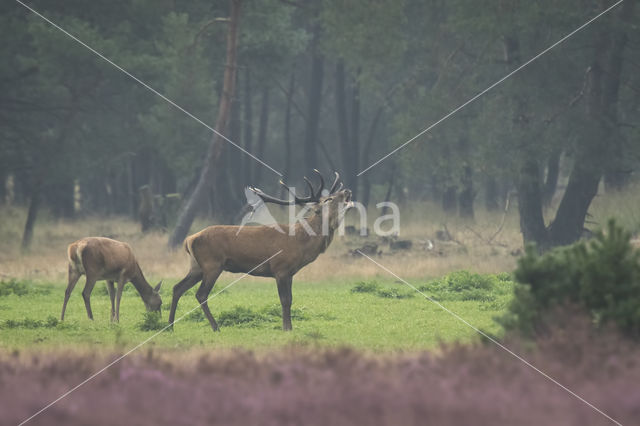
{"type": "Point", "coordinates": [248, 127]}
{"type": "Point", "coordinates": [262, 133]}
{"type": "Point", "coordinates": [491, 194]}
{"type": "Point", "coordinates": [467, 194]}
{"type": "Point", "coordinates": [602, 97]}
{"type": "Point", "coordinates": [287, 126]}
{"type": "Point", "coordinates": [215, 147]}
{"type": "Point", "coordinates": [315, 101]}
{"type": "Point", "coordinates": [341, 116]}
{"type": "Point", "coordinates": [348, 129]}
{"type": "Point", "coordinates": [32, 214]}
{"type": "Point", "coordinates": [530, 204]}
{"type": "Point", "coordinates": [449, 199]}
{"type": "Point", "coordinates": [236, 181]}
{"type": "Point", "coordinates": [553, 173]}
{"type": "Point", "coordinates": [352, 172]}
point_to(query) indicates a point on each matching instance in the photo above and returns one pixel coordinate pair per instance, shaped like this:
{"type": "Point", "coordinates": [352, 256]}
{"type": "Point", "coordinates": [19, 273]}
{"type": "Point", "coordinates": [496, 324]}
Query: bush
{"type": "Point", "coordinates": [20, 288]}
{"type": "Point", "coordinates": [242, 316]}
{"type": "Point", "coordinates": [464, 285]}
{"type": "Point", "coordinates": [365, 287]}
{"type": "Point", "coordinates": [602, 275]}
{"type": "Point", "coordinates": [393, 293]}
{"type": "Point", "coordinates": [151, 321]}
{"type": "Point", "coordinates": [50, 322]}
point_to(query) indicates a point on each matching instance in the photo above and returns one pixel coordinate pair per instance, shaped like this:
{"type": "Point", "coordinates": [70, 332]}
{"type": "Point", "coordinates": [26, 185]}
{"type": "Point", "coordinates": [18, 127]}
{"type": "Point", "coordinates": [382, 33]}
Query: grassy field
{"type": "Point", "coordinates": [326, 310]}
{"type": "Point", "coordinates": [375, 315]}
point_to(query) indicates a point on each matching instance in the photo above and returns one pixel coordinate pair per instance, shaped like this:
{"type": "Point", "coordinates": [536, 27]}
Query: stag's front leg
{"type": "Point", "coordinates": [202, 295]}
{"type": "Point", "coordinates": [284, 291]}
{"type": "Point", "coordinates": [192, 278]}
{"type": "Point", "coordinates": [121, 283]}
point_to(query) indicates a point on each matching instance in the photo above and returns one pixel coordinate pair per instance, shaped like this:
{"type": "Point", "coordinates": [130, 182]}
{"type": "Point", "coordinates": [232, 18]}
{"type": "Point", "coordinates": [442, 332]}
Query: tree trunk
{"type": "Point", "coordinates": [287, 126]}
{"type": "Point", "coordinates": [352, 172]}
{"type": "Point", "coordinates": [215, 147]}
{"type": "Point", "coordinates": [366, 153]}
{"type": "Point", "coordinates": [467, 193]}
{"type": "Point", "coordinates": [262, 133]}
{"type": "Point", "coordinates": [235, 182]}
{"type": "Point", "coordinates": [248, 127]}
{"type": "Point", "coordinates": [342, 117]}
{"type": "Point", "coordinates": [32, 214]}
{"type": "Point", "coordinates": [618, 171]}
{"type": "Point", "coordinates": [449, 199]}
{"type": "Point", "coordinates": [596, 153]}
{"type": "Point", "coordinates": [315, 102]}
{"type": "Point", "coordinates": [348, 129]}
{"type": "Point", "coordinates": [530, 204]}
{"type": "Point", "coordinates": [553, 173]}
{"type": "Point", "coordinates": [491, 202]}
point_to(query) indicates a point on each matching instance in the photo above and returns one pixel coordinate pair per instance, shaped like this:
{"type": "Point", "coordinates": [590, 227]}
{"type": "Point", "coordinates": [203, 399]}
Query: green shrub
{"type": "Point", "coordinates": [393, 293]}
{"type": "Point", "coordinates": [603, 276]}
{"type": "Point", "coordinates": [21, 288]}
{"type": "Point", "coordinates": [365, 287]}
{"type": "Point", "coordinates": [151, 321]}
{"type": "Point", "coordinates": [275, 311]}
{"type": "Point", "coordinates": [241, 316]}
{"type": "Point", "coordinates": [464, 285]}
{"type": "Point", "coordinates": [197, 315]}
{"type": "Point", "coordinates": [50, 322]}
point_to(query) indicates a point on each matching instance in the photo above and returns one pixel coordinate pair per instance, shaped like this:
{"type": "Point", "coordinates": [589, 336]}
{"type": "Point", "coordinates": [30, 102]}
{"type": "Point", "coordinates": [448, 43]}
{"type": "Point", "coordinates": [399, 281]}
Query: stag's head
{"type": "Point", "coordinates": [154, 302]}
{"type": "Point", "coordinates": [332, 202]}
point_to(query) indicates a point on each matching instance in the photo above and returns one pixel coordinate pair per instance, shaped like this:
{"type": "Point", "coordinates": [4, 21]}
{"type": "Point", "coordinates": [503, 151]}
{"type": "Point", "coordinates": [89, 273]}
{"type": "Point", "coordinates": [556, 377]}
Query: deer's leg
{"type": "Point", "coordinates": [284, 291]}
{"type": "Point", "coordinates": [192, 278]}
{"type": "Point", "coordinates": [86, 294]}
{"type": "Point", "coordinates": [74, 276]}
{"type": "Point", "coordinates": [121, 283]}
{"type": "Point", "coordinates": [112, 296]}
{"type": "Point", "coordinates": [202, 295]}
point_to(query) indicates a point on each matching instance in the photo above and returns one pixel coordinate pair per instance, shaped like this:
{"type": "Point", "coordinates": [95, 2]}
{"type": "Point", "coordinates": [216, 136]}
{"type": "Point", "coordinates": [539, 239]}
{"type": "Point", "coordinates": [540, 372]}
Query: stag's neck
{"type": "Point", "coordinates": [140, 283]}
{"type": "Point", "coordinates": [320, 241]}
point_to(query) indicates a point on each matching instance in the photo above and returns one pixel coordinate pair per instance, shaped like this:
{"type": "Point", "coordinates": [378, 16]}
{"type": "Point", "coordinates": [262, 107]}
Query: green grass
{"type": "Point", "coordinates": [380, 315]}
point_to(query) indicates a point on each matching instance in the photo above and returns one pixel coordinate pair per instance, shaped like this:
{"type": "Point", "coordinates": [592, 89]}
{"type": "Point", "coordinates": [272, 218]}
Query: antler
{"type": "Point", "coordinates": [313, 197]}
{"type": "Point", "coordinates": [334, 187]}
{"type": "Point", "coordinates": [319, 191]}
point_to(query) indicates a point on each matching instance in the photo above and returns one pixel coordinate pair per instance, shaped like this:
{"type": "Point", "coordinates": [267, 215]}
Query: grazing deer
{"type": "Point", "coordinates": [237, 249]}
{"type": "Point", "coordinates": [101, 258]}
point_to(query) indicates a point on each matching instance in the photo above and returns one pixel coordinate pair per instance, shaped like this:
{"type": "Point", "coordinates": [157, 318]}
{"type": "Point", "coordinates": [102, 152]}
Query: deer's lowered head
{"type": "Point", "coordinates": [153, 303]}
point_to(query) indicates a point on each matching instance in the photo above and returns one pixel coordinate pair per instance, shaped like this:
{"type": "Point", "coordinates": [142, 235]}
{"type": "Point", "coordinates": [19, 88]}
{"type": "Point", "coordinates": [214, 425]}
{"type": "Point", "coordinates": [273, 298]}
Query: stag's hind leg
{"type": "Point", "coordinates": [86, 294]}
{"type": "Point", "coordinates": [208, 281]}
{"type": "Point", "coordinates": [74, 276]}
{"type": "Point", "coordinates": [192, 278]}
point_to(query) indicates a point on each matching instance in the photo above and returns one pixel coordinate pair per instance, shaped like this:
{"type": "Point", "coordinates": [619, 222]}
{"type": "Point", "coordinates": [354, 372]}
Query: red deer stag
{"type": "Point", "coordinates": [105, 259]}
{"type": "Point", "coordinates": [236, 249]}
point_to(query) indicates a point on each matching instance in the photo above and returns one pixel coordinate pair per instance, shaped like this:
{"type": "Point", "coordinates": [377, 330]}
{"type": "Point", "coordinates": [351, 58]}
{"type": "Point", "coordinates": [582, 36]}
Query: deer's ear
{"type": "Point", "coordinates": [157, 288]}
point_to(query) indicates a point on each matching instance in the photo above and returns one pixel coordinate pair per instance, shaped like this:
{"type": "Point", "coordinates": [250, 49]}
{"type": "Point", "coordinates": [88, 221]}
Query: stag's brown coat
{"type": "Point", "coordinates": [242, 249]}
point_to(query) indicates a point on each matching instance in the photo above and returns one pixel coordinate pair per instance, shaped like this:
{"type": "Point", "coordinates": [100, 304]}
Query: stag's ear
{"type": "Point", "coordinates": [157, 288]}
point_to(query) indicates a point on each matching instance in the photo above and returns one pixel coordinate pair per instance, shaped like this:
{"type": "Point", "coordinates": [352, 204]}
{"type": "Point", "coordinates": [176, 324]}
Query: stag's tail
{"type": "Point", "coordinates": [188, 247]}
{"type": "Point", "coordinates": [74, 254]}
